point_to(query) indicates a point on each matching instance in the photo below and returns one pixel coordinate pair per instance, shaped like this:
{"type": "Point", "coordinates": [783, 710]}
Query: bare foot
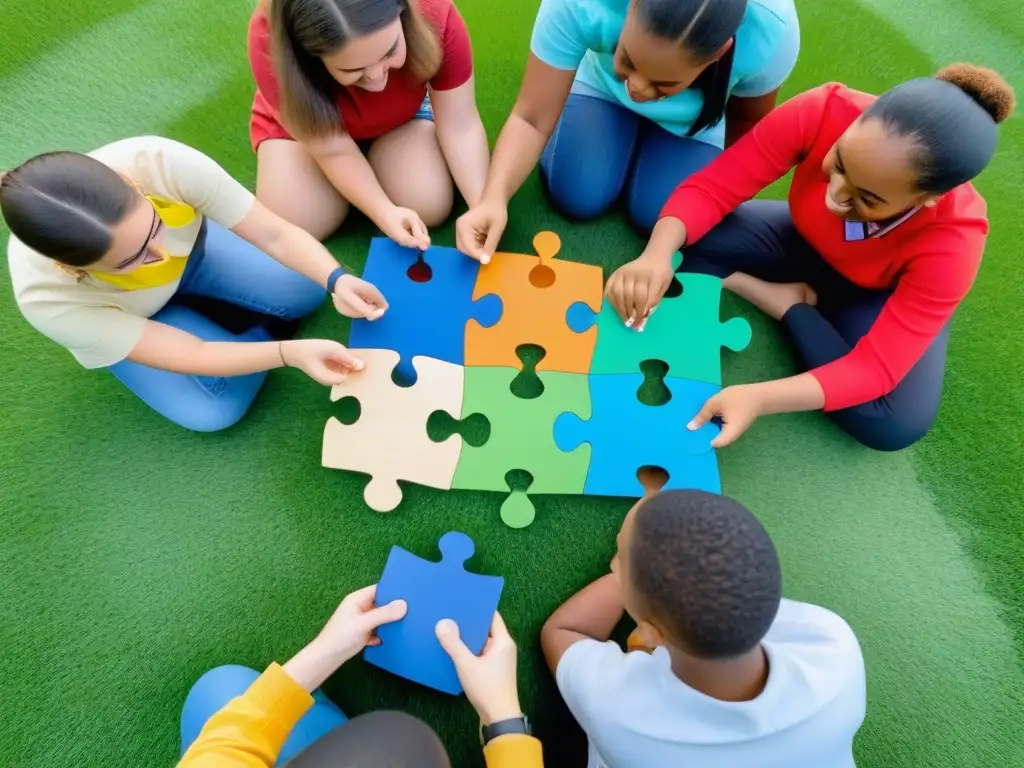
{"type": "Point", "coordinates": [774, 299]}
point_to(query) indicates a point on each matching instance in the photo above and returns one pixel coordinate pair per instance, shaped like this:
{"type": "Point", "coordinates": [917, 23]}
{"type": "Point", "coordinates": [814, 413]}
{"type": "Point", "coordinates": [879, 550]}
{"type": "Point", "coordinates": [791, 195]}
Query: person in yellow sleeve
{"type": "Point", "coordinates": [108, 248]}
{"type": "Point", "coordinates": [235, 717]}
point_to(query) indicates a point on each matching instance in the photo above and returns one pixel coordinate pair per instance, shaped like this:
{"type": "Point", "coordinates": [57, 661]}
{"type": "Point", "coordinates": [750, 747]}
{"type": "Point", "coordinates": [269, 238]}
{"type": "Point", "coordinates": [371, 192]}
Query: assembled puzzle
{"type": "Point", "coordinates": [452, 332]}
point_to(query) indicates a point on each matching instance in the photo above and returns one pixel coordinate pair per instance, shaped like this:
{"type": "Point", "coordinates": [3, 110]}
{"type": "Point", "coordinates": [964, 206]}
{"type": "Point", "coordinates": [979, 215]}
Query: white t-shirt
{"type": "Point", "coordinates": [637, 714]}
{"type": "Point", "coordinates": [100, 323]}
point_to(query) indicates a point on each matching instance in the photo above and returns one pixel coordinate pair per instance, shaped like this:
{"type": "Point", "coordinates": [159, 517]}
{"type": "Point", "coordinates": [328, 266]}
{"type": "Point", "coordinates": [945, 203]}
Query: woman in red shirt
{"type": "Point", "coordinates": [881, 238]}
{"type": "Point", "coordinates": [368, 103]}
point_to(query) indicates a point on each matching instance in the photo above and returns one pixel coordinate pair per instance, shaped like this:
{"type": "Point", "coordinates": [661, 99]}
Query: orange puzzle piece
{"type": "Point", "coordinates": [536, 292]}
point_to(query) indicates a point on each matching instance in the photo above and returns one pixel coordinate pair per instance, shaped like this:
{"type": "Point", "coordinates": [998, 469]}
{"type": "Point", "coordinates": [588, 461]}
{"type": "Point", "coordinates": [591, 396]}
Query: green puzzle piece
{"type": "Point", "coordinates": [522, 437]}
{"type": "Point", "coordinates": [685, 333]}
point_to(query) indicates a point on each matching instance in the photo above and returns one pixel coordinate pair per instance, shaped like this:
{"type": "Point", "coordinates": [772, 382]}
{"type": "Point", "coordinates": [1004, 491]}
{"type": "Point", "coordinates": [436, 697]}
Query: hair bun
{"type": "Point", "coordinates": [987, 87]}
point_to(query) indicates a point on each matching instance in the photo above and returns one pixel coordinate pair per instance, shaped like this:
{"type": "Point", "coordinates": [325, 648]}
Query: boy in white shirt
{"type": "Point", "coordinates": [739, 678]}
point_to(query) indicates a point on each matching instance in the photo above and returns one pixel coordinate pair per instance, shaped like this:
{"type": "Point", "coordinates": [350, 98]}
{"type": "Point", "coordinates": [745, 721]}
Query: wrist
{"type": "Point", "coordinates": [494, 196]}
{"type": "Point", "coordinates": [505, 708]}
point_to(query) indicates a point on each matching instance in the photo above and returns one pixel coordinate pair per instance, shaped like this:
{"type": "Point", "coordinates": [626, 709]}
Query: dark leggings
{"type": "Point", "coordinates": [384, 739]}
{"type": "Point", "coordinates": [760, 240]}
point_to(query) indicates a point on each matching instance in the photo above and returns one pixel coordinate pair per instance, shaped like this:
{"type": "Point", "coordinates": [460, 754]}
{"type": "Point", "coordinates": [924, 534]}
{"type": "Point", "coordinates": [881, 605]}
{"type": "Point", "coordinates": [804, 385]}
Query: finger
{"type": "Point", "coordinates": [364, 597]}
{"type": "Point", "coordinates": [642, 299]}
{"type": "Point", "coordinates": [615, 296]}
{"type": "Point", "coordinates": [419, 231]}
{"type": "Point", "coordinates": [466, 239]}
{"type": "Point", "coordinates": [706, 413]}
{"type": "Point", "coordinates": [728, 435]}
{"type": "Point", "coordinates": [356, 305]}
{"type": "Point", "coordinates": [628, 302]}
{"type": "Point", "coordinates": [491, 242]}
{"type": "Point", "coordinates": [372, 294]}
{"type": "Point", "coordinates": [327, 376]}
{"type": "Point", "coordinates": [498, 629]}
{"type": "Point", "coordinates": [385, 614]}
{"type": "Point", "coordinates": [647, 316]}
{"type": "Point", "coordinates": [447, 632]}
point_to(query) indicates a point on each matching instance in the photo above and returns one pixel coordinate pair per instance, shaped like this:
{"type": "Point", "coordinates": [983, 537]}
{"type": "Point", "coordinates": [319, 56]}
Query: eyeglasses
{"type": "Point", "coordinates": [148, 253]}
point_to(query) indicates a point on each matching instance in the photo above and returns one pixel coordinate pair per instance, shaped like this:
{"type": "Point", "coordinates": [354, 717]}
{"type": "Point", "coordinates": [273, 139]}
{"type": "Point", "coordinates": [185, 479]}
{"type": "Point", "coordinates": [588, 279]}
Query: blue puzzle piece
{"type": "Point", "coordinates": [423, 318]}
{"type": "Point", "coordinates": [433, 591]}
{"type": "Point", "coordinates": [625, 435]}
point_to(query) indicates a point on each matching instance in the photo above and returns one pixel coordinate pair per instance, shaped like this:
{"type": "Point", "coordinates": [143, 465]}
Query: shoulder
{"type": "Point", "coordinates": [767, 25]}
{"type": "Point", "coordinates": [436, 12]}
{"type": "Point", "coordinates": [815, 632]}
{"type": "Point", "coordinates": [138, 154]}
{"type": "Point", "coordinates": [949, 250]}
{"type": "Point", "coordinates": [603, 667]}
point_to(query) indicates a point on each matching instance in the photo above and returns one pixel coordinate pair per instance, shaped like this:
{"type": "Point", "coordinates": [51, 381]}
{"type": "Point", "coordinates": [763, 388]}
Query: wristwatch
{"type": "Point", "coordinates": [505, 727]}
{"type": "Point", "coordinates": [332, 279]}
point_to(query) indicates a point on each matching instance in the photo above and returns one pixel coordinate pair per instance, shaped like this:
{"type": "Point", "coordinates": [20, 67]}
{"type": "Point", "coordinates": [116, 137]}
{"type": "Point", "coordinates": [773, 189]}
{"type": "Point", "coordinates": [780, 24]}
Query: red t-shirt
{"type": "Point", "coordinates": [931, 259]}
{"type": "Point", "coordinates": [365, 115]}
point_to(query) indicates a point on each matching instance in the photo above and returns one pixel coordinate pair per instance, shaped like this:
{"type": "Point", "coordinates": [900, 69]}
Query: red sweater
{"type": "Point", "coordinates": [365, 115]}
{"type": "Point", "coordinates": [931, 259]}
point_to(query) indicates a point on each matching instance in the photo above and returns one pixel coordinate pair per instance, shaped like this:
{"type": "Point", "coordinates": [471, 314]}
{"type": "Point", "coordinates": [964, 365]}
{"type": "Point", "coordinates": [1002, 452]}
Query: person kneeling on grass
{"type": "Point", "coordinates": [105, 246]}
{"type": "Point", "coordinates": [234, 716]}
{"type": "Point", "coordinates": [880, 241]}
{"type": "Point", "coordinates": [739, 677]}
{"type": "Point", "coordinates": [369, 103]}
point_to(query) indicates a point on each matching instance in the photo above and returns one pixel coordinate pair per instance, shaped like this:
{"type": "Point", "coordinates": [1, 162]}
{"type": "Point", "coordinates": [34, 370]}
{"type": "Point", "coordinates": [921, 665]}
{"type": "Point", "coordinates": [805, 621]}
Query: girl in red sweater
{"type": "Point", "coordinates": [368, 103]}
{"type": "Point", "coordinates": [880, 240]}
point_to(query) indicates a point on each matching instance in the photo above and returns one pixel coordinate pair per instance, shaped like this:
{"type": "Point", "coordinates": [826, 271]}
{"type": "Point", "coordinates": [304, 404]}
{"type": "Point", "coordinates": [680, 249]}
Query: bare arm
{"type": "Point", "coordinates": [742, 114]}
{"type": "Point", "coordinates": [292, 246]}
{"type": "Point", "coordinates": [542, 97]}
{"type": "Point", "coordinates": [460, 131]}
{"type": "Point", "coordinates": [349, 171]}
{"type": "Point", "coordinates": [590, 614]}
{"type": "Point", "coordinates": [170, 349]}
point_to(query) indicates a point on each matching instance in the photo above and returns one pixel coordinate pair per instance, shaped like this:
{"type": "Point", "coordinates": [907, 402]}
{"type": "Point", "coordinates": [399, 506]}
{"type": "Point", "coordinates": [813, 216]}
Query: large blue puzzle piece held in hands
{"type": "Point", "coordinates": [429, 304]}
{"type": "Point", "coordinates": [433, 591]}
{"type": "Point", "coordinates": [625, 435]}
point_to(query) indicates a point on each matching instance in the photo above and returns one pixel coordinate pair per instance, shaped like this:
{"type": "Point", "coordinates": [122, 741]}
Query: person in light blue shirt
{"type": "Point", "coordinates": [628, 98]}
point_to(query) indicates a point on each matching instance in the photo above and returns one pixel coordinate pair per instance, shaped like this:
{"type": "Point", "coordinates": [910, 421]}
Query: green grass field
{"type": "Point", "coordinates": [135, 556]}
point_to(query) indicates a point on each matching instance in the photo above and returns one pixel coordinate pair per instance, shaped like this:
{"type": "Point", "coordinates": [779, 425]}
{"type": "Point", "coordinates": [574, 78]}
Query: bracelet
{"type": "Point", "coordinates": [333, 278]}
{"type": "Point", "coordinates": [280, 351]}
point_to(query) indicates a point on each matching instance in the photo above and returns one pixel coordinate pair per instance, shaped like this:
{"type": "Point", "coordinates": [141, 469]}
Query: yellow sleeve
{"type": "Point", "coordinates": [250, 731]}
{"type": "Point", "coordinates": [515, 750]}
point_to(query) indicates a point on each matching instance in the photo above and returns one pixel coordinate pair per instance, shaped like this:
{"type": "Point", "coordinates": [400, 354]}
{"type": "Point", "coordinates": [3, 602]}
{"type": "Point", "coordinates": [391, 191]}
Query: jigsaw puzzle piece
{"type": "Point", "coordinates": [657, 436]}
{"type": "Point", "coordinates": [429, 304]}
{"type": "Point", "coordinates": [685, 333]}
{"type": "Point", "coordinates": [389, 440]}
{"type": "Point", "coordinates": [535, 292]}
{"type": "Point", "coordinates": [433, 591]}
{"type": "Point", "coordinates": [521, 437]}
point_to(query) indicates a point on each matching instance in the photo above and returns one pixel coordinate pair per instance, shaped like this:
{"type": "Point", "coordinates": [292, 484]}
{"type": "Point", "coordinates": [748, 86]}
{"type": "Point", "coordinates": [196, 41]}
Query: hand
{"type": "Point", "coordinates": [405, 227]}
{"type": "Point", "coordinates": [354, 297]}
{"type": "Point", "coordinates": [635, 289]}
{"type": "Point", "coordinates": [490, 679]}
{"type": "Point", "coordinates": [326, 362]}
{"type": "Point", "coordinates": [478, 231]}
{"type": "Point", "coordinates": [737, 407]}
{"type": "Point", "coordinates": [352, 626]}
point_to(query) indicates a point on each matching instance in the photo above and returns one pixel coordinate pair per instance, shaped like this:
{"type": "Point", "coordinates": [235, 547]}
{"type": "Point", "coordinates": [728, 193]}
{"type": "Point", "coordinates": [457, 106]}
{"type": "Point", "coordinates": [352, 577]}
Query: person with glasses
{"type": "Point", "coordinates": [107, 247]}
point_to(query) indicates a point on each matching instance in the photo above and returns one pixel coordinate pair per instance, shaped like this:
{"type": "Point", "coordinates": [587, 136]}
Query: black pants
{"type": "Point", "coordinates": [383, 739]}
{"type": "Point", "coordinates": [759, 238]}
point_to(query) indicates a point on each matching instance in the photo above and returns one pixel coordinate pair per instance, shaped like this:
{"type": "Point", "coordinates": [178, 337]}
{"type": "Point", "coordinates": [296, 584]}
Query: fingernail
{"type": "Point", "coordinates": [485, 259]}
{"type": "Point", "coordinates": [399, 605]}
{"type": "Point", "coordinates": [692, 425]}
{"type": "Point", "coordinates": [445, 627]}
{"type": "Point", "coordinates": [632, 319]}
{"type": "Point", "coordinates": [358, 365]}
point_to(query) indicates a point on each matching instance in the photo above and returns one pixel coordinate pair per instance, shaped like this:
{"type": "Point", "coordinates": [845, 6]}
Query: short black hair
{"type": "Point", "coordinates": [706, 570]}
{"type": "Point", "coordinates": [951, 119]}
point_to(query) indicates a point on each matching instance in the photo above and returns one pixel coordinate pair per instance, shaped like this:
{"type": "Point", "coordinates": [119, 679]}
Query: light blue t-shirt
{"type": "Point", "coordinates": [582, 35]}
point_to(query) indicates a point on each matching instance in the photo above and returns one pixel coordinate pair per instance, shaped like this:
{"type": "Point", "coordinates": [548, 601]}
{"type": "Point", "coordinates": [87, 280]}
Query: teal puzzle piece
{"type": "Point", "coordinates": [684, 332]}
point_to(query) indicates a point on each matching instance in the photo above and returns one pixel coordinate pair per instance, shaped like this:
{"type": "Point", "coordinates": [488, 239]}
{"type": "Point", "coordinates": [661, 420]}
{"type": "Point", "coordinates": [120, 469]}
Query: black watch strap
{"type": "Point", "coordinates": [505, 727]}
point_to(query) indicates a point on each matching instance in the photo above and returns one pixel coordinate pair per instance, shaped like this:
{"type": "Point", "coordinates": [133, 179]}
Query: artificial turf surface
{"type": "Point", "coordinates": [135, 556]}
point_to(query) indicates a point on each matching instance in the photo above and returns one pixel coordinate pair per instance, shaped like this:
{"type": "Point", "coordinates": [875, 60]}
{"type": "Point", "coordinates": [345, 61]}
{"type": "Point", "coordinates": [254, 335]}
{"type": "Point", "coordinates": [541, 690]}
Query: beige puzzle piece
{"type": "Point", "coordinates": [389, 440]}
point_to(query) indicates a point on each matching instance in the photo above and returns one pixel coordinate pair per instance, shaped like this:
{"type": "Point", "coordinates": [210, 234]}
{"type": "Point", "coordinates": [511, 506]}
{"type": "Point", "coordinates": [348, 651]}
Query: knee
{"type": "Point", "coordinates": [572, 194]}
{"type": "Point", "coordinates": [642, 209]}
{"type": "Point", "coordinates": [883, 430]}
{"type": "Point", "coordinates": [434, 205]}
{"type": "Point", "coordinates": [321, 219]}
{"type": "Point", "coordinates": [214, 413]}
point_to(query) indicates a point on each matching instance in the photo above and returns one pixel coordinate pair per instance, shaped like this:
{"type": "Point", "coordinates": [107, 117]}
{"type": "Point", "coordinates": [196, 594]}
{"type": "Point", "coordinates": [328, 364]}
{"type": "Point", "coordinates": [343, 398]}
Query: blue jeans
{"type": "Point", "coordinates": [600, 148]}
{"type": "Point", "coordinates": [216, 688]}
{"type": "Point", "coordinates": [225, 267]}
